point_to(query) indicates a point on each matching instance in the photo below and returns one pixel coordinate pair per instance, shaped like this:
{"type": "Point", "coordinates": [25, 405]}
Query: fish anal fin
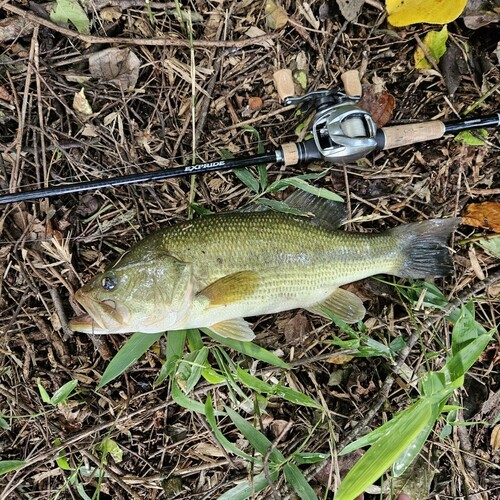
{"type": "Point", "coordinates": [231, 288]}
{"type": "Point", "coordinates": [344, 304]}
{"type": "Point", "coordinates": [237, 329]}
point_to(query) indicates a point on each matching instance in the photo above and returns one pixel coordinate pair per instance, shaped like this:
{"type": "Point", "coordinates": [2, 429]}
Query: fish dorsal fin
{"type": "Point", "coordinates": [344, 304]}
{"type": "Point", "coordinates": [327, 213]}
{"type": "Point", "coordinates": [231, 288]}
{"type": "Point", "coordinates": [237, 329]}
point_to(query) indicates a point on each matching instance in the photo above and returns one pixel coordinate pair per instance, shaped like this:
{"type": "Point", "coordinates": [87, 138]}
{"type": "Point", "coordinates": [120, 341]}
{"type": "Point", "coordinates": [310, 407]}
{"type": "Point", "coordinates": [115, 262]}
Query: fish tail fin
{"type": "Point", "coordinates": [424, 248]}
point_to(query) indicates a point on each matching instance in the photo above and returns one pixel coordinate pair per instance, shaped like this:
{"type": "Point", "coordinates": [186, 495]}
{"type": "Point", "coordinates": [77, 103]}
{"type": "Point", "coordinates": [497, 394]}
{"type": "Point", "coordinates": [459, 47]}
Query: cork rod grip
{"type": "Point", "coordinates": [404, 135]}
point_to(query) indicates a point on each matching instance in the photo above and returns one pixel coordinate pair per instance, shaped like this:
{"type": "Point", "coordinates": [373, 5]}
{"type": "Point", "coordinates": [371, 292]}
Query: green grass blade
{"type": "Point", "coordinates": [248, 489]}
{"type": "Point", "coordinates": [43, 393]}
{"type": "Point", "coordinates": [276, 390]}
{"type": "Point", "coordinates": [10, 465]}
{"type": "Point", "coordinates": [186, 402]}
{"type": "Point", "coordinates": [385, 451]}
{"type": "Point", "coordinates": [301, 183]}
{"type": "Point", "coordinates": [228, 446]}
{"type": "Point", "coordinates": [249, 349]}
{"type": "Point", "coordinates": [130, 352]}
{"type": "Point", "coordinates": [298, 482]}
{"type": "Point", "coordinates": [189, 369]}
{"type": "Point", "coordinates": [62, 394]}
{"type": "Point", "coordinates": [255, 437]}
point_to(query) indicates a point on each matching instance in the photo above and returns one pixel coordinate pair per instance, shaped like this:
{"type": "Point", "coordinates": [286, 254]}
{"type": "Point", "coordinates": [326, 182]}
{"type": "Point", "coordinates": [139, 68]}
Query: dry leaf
{"type": "Point", "coordinates": [339, 359]}
{"type": "Point", "coordinates": [117, 66]}
{"type": "Point", "coordinates": [350, 8]}
{"type": "Point", "coordinates": [485, 215]}
{"type": "Point", "coordinates": [110, 14]}
{"type": "Point", "coordinates": [283, 80]}
{"type": "Point", "coordinates": [495, 438]}
{"type": "Point", "coordinates": [380, 105]}
{"type": "Point", "coordinates": [81, 104]}
{"type": "Point", "coordinates": [276, 16]}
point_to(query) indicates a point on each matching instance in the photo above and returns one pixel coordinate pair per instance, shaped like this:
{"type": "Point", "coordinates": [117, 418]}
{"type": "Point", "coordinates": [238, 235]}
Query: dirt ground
{"type": "Point", "coordinates": [201, 101]}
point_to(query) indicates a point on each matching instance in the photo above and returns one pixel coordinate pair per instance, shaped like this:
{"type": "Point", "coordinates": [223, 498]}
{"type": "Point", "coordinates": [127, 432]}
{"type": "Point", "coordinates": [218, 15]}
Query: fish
{"type": "Point", "coordinates": [216, 270]}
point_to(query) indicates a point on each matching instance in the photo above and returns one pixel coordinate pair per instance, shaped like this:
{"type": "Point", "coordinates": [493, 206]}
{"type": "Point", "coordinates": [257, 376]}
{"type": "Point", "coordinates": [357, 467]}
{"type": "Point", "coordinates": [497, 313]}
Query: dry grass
{"type": "Point", "coordinates": [49, 248]}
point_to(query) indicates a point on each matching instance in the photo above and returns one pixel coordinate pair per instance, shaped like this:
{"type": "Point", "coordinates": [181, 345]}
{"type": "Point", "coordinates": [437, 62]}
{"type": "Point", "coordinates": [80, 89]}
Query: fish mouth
{"type": "Point", "coordinates": [102, 316]}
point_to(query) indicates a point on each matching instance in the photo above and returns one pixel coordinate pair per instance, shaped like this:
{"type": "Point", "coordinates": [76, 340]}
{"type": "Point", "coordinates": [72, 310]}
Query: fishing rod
{"type": "Point", "coordinates": [341, 133]}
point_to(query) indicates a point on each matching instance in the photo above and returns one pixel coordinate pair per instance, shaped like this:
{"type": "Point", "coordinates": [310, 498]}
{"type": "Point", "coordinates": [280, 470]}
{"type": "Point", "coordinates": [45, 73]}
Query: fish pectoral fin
{"type": "Point", "coordinates": [231, 288]}
{"type": "Point", "coordinates": [237, 329]}
{"type": "Point", "coordinates": [344, 304]}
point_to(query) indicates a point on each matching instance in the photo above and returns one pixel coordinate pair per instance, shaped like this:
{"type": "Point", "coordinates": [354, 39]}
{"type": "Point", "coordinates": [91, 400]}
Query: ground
{"type": "Point", "coordinates": [198, 90]}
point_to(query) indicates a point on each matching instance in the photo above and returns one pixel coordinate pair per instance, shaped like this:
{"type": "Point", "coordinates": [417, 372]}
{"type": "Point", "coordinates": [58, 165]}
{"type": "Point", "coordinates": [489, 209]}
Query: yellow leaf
{"type": "Point", "coordinates": [276, 16]}
{"type": "Point", "coordinates": [405, 12]}
{"type": "Point", "coordinates": [435, 43]}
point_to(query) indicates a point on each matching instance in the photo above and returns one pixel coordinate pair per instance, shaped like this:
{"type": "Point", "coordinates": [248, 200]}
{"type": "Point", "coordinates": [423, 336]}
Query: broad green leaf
{"type": "Point", "coordinates": [255, 437]}
{"type": "Point", "coordinates": [62, 394]}
{"type": "Point", "coordinates": [433, 383]}
{"type": "Point", "coordinates": [385, 451]}
{"type": "Point", "coordinates": [491, 246]}
{"type": "Point", "coordinates": [81, 491]}
{"type": "Point", "coordinates": [194, 339]}
{"type": "Point", "coordinates": [465, 330]}
{"type": "Point", "coordinates": [406, 12]}
{"type": "Point", "coordinates": [129, 353]}
{"type": "Point", "coordinates": [10, 465]}
{"type": "Point", "coordinates": [413, 449]}
{"type": "Point", "coordinates": [228, 446]}
{"type": "Point", "coordinates": [460, 363]}
{"type": "Point", "coordinates": [435, 43]}
{"type": "Point", "coordinates": [71, 11]}
{"type": "Point", "coordinates": [245, 176]}
{"type": "Point", "coordinates": [298, 482]}
{"type": "Point", "coordinates": [469, 138]}
{"type": "Point", "coordinates": [248, 489]}
{"type": "Point", "coordinates": [4, 424]}
{"type": "Point", "coordinates": [249, 349]}
{"type": "Point", "coordinates": [43, 393]}
{"type": "Point", "coordinates": [212, 376]}
{"type": "Point", "coordinates": [110, 447]}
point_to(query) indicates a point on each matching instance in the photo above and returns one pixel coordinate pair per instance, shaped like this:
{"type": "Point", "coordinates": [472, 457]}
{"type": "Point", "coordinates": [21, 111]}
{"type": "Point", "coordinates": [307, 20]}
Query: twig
{"type": "Point", "coordinates": [166, 41]}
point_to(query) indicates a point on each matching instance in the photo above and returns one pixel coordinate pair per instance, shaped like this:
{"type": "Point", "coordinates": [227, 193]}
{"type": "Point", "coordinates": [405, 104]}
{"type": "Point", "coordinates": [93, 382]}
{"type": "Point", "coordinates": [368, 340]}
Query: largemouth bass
{"type": "Point", "coordinates": [214, 271]}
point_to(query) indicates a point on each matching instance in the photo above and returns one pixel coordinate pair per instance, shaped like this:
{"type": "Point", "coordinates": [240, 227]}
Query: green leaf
{"type": "Point", "coordinates": [491, 246]}
{"type": "Point", "coordinates": [62, 394]}
{"type": "Point", "coordinates": [4, 424]}
{"type": "Point", "coordinates": [298, 482]}
{"type": "Point", "coordinates": [43, 393]}
{"type": "Point", "coordinates": [469, 138]}
{"type": "Point", "coordinates": [300, 183]}
{"type": "Point", "coordinates": [130, 352]}
{"type": "Point", "coordinates": [212, 376]}
{"type": "Point", "coordinates": [10, 465]}
{"type": "Point", "coordinates": [245, 176]}
{"type": "Point", "coordinates": [385, 451]}
{"type": "Point", "coordinates": [248, 489]}
{"type": "Point", "coordinates": [110, 447]}
{"type": "Point", "coordinates": [71, 11]}
{"type": "Point", "coordinates": [186, 402]}
{"type": "Point", "coordinates": [190, 368]}
{"type": "Point", "coordinates": [255, 437]}
{"type": "Point", "coordinates": [414, 448]}
{"type": "Point", "coordinates": [279, 206]}
{"type": "Point", "coordinates": [249, 349]}
{"type": "Point", "coordinates": [287, 393]}
{"type": "Point", "coordinates": [228, 446]}
{"type": "Point", "coordinates": [458, 365]}
{"type": "Point", "coordinates": [435, 43]}
{"type": "Point", "coordinates": [307, 458]}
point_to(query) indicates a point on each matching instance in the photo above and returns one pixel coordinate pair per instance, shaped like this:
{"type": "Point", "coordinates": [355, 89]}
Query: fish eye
{"type": "Point", "coordinates": [109, 282]}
